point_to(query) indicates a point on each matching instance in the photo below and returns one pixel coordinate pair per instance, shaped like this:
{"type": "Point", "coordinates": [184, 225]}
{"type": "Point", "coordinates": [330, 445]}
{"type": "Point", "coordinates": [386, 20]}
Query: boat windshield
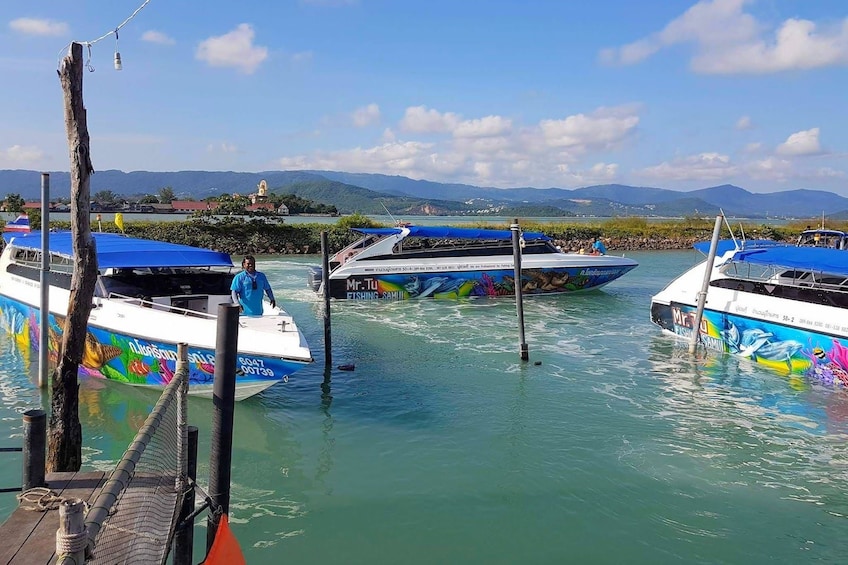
{"type": "Point", "coordinates": [824, 238]}
{"type": "Point", "coordinates": [165, 282]}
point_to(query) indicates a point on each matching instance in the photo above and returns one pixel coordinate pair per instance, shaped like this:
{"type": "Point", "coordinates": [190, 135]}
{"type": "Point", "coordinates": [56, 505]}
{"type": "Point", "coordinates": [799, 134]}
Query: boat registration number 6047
{"type": "Point", "coordinates": [254, 367]}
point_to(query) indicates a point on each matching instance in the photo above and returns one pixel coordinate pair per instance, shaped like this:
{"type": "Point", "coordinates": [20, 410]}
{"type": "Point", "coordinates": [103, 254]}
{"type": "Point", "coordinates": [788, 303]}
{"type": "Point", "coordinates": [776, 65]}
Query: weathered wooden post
{"type": "Point", "coordinates": [44, 307]}
{"type": "Point", "coordinates": [35, 440]}
{"type": "Point", "coordinates": [71, 537]}
{"type": "Point", "coordinates": [65, 438]}
{"type": "Point", "coordinates": [223, 398]}
{"type": "Point", "coordinates": [325, 284]}
{"type": "Point", "coordinates": [519, 296]}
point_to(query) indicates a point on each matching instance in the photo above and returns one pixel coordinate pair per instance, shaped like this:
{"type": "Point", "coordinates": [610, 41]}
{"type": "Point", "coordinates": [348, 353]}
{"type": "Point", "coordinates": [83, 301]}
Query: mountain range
{"type": "Point", "coordinates": [374, 193]}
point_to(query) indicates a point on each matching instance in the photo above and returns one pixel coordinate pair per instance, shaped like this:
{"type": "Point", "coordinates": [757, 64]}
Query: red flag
{"type": "Point", "coordinates": [225, 549]}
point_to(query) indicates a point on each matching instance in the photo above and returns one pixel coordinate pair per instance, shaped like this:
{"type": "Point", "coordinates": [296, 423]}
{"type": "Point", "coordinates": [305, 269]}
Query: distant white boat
{"type": "Point", "coordinates": [149, 296]}
{"type": "Point", "coordinates": [780, 305]}
{"type": "Point", "coordinates": [410, 262]}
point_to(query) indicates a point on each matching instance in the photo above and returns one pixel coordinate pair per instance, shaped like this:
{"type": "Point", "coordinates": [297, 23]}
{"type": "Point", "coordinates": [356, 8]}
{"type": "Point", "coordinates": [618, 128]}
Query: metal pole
{"type": "Point", "coordinates": [519, 297]}
{"type": "Point", "coordinates": [35, 441]}
{"type": "Point", "coordinates": [223, 399]}
{"type": "Point", "coordinates": [184, 538]}
{"type": "Point", "coordinates": [43, 336]}
{"type": "Point", "coordinates": [325, 284]}
{"type": "Point", "coordinates": [702, 295]}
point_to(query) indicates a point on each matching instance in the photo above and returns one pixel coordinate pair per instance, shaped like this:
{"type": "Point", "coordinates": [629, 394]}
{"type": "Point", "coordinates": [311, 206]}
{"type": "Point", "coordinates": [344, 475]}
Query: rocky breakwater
{"type": "Point", "coordinates": [631, 243]}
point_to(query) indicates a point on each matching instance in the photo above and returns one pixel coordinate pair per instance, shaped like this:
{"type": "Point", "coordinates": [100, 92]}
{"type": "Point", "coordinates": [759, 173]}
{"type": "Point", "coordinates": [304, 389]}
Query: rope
{"type": "Point", "coordinates": [39, 499]}
{"type": "Point", "coordinates": [68, 544]}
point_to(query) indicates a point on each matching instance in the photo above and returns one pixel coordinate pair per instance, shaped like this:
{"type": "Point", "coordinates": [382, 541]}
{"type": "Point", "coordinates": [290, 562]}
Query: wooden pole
{"type": "Point", "coordinates": [325, 279]}
{"type": "Point", "coordinates": [519, 296]}
{"type": "Point", "coordinates": [65, 436]}
{"type": "Point", "coordinates": [71, 537]}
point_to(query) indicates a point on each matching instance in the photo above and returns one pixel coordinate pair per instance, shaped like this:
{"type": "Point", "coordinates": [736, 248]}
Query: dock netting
{"type": "Point", "coordinates": [134, 517]}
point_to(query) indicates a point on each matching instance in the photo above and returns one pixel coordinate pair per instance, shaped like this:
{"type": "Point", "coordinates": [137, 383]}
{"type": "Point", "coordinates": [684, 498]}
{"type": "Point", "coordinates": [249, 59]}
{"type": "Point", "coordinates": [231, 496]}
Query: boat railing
{"type": "Point", "coordinates": [145, 302]}
{"type": "Point", "coordinates": [794, 278]}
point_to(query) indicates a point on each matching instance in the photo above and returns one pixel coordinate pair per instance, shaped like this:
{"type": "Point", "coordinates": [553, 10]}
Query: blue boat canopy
{"type": "Point", "coordinates": [458, 233]}
{"type": "Point", "coordinates": [725, 245]}
{"type": "Point", "coordinates": [817, 259]}
{"type": "Point", "coordinates": [120, 251]}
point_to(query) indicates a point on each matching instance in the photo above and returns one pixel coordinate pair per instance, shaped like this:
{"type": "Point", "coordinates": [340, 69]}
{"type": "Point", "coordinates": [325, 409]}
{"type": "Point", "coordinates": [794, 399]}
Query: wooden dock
{"type": "Point", "coordinates": [29, 536]}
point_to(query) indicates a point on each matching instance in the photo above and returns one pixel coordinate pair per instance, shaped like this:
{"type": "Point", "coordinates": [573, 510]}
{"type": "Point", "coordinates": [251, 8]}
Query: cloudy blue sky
{"type": "Point", "coordinates": [674, 94]}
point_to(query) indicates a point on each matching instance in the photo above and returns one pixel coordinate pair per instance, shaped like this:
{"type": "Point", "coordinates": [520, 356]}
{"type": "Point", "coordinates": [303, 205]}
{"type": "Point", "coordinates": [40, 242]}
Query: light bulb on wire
{"type": "Point", "coordinates": [118, 65]}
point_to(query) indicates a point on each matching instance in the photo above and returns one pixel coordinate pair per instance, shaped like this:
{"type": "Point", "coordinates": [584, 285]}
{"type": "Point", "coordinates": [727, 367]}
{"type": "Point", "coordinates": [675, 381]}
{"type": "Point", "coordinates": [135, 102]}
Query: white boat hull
{"type": "Point", "coordinates": [788, 335]}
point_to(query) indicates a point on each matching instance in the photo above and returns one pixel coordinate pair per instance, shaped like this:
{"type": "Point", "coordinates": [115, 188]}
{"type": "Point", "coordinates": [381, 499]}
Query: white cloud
{"type": "Point", "coordinates": [604, 127]}
{"type": "Point", "coordinates": [744, 123]}
{"type": "Point", "coordinates": [366, 115]}
{"type": "Point", "coordinates": [153, 36]}
{"type": "Point", "coordinates": [769, 169]}
{"type": "Point", "coordinates": [801, 143]}
{"type": "Point", "coordinates": [36, 26]}
{"type": "Point", "coordinates": [701, 167]}
{"type": "Point", "coordinates": [18, 155]}
{"type": "Point", "coordinates": [727, 40]}
{"type": "Point", "coordinates": [223, 147]}
{"type": "Point", "coordinates": [484, 127]}
{"type": "Point", "coordinates": [234, 49]}
{"type": "Point", "coordinates": [302, 57]}
{"type": "Point", "coordinates": [418, 119]}
{"type": "Point", "coordinates": [490, 150]}
{"type": "Point", "coordinates": [398, 156]}
{"type": "Point", "coordinates": [753, 147]}
{"type": "Point", "coordinates": [828, 173]}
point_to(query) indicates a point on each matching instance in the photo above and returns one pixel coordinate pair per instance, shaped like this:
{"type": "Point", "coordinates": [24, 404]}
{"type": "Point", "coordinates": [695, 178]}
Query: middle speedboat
{"type": "Point", "coordinates": [447, 262]}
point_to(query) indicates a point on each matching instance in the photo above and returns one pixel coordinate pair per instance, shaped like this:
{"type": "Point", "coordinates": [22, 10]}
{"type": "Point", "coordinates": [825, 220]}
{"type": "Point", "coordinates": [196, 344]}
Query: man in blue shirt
{"type": "Point", "coordinates": [598, 247]}
{"type": "Point", "coordinates": [248, 286]}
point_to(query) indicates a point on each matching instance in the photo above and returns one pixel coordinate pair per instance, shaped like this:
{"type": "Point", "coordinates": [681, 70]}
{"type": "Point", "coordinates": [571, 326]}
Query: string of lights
{"type": "Point", "coordinates": [88, 44]}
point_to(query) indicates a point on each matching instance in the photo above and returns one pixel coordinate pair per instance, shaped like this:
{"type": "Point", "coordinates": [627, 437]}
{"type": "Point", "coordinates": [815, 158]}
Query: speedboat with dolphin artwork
{"type": "Point", "coordinates": [777, 304]}
{"type": "Point", "coordinates": [416, 262]}
{"type": "Point", "coordinates": [149, 296]}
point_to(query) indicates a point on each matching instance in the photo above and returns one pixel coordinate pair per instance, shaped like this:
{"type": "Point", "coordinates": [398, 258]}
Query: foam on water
{"type": "Point", "coordinates": [617, 447]}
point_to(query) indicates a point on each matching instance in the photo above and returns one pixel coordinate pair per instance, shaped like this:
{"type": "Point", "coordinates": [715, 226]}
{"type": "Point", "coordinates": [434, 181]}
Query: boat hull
{"type": "Point", "coordinates": [415, 284]}
{"type": "Point", "coordinates": [139, 360]}
{"type": "Point", "coordinates": [820, 355]}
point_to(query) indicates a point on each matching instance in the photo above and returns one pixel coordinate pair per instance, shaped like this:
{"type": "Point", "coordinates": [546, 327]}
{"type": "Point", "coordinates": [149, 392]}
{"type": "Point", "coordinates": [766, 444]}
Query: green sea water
{"type": "Point", "coordinates": [443, 447]}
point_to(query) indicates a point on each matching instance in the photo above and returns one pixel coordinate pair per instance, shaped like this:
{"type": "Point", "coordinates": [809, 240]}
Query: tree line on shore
{"type": "Point", "coordinates": [239, 235]}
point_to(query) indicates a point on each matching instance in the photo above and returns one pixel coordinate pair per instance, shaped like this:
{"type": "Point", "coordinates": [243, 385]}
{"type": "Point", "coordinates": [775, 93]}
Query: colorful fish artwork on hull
{"type": "Point", "coordinates": [471, 284]}
{"type": "Point", "coordinates": [130, 359]}
{"type": "Point", "coordinates": [818, 357]}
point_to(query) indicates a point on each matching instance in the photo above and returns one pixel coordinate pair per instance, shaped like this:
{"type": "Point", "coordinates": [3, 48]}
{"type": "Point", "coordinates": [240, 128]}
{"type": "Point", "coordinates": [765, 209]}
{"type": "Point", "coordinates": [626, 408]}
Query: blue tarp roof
{"type": "Point", "coordinates": [819, 259]}
{"type": "Point", "coordinates": [120, 251]}
{"type": "Point", "coordinates": [459, 233]}
{"type": "Point", "coordinates": [725, 245]}
{"type": "Point", "coordinates": [772, 253]}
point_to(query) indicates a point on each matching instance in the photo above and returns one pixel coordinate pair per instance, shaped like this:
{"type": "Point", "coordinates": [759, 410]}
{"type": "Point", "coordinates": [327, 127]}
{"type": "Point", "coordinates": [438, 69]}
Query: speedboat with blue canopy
{"type": "Point", "coordinates": [411, 262]}
{"type": "Point", "coordinates": [149, 296]}
{"type": "Point", "coordinates": [778, 304]}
